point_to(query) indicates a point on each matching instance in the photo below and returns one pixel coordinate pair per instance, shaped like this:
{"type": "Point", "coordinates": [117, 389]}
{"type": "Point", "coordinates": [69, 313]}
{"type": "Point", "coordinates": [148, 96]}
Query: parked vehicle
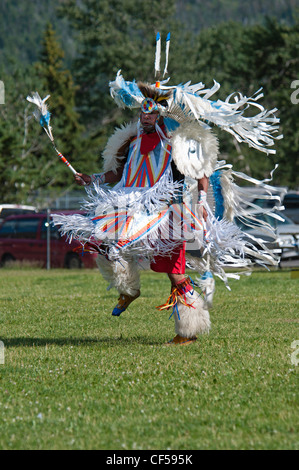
{"type": "Point", "coordinates": [14, 209]}
{"type": "Point", "coordinates": [290, 202]}
{"type": "Point", "coordinates": [287, 233]}
{"type": "Point", "coordinates": [24, 238]}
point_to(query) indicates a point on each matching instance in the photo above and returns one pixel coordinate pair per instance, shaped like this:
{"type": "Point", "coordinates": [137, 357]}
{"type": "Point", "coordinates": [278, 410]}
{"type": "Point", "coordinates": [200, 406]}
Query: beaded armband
{"type": "Point", "coordinates": [99, 177]}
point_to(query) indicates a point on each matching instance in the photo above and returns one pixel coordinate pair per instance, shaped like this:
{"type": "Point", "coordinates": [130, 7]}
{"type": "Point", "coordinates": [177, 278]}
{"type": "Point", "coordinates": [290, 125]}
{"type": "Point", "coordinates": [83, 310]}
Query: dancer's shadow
{"type": "Point", "coordinates": [110, 341]}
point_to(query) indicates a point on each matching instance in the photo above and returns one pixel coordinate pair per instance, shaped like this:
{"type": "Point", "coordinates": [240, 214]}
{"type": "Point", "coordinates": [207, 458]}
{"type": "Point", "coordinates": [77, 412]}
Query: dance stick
{"type": "Point", "coordinates": [65, 161]}
{"type": "Point", "coordinates": [42, 115]}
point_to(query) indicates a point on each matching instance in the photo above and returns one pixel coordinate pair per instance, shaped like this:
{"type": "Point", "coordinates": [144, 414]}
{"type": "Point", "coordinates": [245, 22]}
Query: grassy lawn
{"type": "Point", "coordinates": [75, 377]}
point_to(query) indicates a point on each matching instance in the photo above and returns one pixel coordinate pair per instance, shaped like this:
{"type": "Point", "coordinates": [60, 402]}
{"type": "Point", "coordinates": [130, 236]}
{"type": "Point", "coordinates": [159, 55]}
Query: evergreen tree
{"type": "Point", "coordinates": [20, 171]}
{"type": "Point", "coordinates": [273, 62]}
{"type": "Point", "coordinates": [116, 35]}
{"type": "Point", "coordinates": [113, 35]}
{"type": "Point", "coordinates": [58, 82]}
{"type": "Point", "coordinates": [27, 159]}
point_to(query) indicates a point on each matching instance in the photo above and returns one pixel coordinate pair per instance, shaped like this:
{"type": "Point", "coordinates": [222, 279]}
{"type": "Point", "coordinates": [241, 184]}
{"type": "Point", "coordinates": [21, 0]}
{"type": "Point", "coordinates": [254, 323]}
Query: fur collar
{"type": "Point", "coordinates": [113, 154]}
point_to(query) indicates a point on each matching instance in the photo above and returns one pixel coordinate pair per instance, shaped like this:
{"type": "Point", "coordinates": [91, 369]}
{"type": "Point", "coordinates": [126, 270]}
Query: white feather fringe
{"type": "Point", "coordinates": [225, 244]}
{"type": "Point", "coordinates": [257, 131]}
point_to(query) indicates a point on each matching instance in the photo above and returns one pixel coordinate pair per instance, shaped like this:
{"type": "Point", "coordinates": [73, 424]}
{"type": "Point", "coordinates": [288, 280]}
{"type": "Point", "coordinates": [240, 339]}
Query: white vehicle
{"type": "Point", "coordinates": [287, 235]}
{"type": "Point", "coordinates": [14, 209]}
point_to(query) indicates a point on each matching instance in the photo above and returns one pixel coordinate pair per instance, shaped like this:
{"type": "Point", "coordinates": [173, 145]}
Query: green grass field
{"type": "Point", "coordinates": [74, 377]}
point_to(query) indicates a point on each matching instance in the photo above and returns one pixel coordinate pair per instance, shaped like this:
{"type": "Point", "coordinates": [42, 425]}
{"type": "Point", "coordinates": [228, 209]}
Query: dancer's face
{"type": "Point", "coordinates": [148, 121]}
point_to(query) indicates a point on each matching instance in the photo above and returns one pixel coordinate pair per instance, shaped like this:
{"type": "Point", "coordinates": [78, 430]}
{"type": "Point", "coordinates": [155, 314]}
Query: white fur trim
{"type": "Point", "coordinates": [193, 320]}
{"type": "Point", "coordinates": [115, 141]}
{"type": "Point", "coordinates": [204, 161]}
{"type": "Point", "coordinates": [126, 277]}
{"type": "Point", "coordinates": [123, 275]}
{"type": "Point", "coordinates": [105, 268]}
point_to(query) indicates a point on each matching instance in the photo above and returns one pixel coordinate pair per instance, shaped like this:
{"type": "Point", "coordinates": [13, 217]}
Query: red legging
{"type": "Point", "coordinates": [175, 264]}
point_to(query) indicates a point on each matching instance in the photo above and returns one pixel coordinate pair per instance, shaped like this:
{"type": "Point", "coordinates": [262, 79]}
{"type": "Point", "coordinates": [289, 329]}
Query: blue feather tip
{"type": "Point", "coordinates": [45, 119]}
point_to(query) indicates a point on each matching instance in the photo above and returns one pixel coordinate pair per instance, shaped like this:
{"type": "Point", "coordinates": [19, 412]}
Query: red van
{"type": "Point", "coordinates": [24, 238]}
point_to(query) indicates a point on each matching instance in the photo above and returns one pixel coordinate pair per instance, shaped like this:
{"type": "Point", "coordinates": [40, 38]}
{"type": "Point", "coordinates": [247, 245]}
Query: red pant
{"type": "Point", "coordinates": [175, 264]}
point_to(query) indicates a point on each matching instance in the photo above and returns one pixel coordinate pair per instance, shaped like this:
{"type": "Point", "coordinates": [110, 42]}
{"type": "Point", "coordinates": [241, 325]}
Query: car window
{"type": "Point", "coordinates": [266, 218]}
{"type": "Point", "coordinates": [273, 221]}
{"type": "Point", "coordinates": [8, 229]}
{"type": "Point", "coordinates": [256, 223]}
{"type": "Point", "coordinates": [27, 228]}
{"type": "Point", "coordinates": [6, 212]}
{"type": "Point", "coordinates": [291, 201]}
{"type": "Point", "coordinates": [54, 234]}
{"type": "Point", "coordinates": [285, 221]}
{"type": "Point", "coordinates": [20, 228]}
{"type": "Point", "coordinates": [264, 203]}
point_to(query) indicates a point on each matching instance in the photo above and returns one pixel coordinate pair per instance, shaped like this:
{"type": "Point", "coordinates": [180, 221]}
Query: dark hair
{"type": "Point", "coordinates": [158, 95]}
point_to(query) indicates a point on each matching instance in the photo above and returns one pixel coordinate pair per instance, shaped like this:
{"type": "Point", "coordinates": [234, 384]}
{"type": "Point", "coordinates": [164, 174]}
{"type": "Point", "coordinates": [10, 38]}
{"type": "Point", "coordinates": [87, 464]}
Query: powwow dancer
{"type": "Point", "coordinates": [172, 193]}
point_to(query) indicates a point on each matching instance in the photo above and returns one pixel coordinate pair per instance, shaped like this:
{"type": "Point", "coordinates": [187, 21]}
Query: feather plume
{"type": "Point", "coordinates": [166, 54]}
{"type": "Point", "coordinates": [124, 93]}
{"type": "Point", "coordinates": [42, 114]}
{"type": "Point", "coordinates": [158, 55]}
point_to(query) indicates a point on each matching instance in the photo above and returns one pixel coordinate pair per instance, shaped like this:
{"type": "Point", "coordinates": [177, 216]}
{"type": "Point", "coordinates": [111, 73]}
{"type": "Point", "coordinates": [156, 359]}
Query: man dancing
{"type": "Point", "coordinates": [140, 162]}
{"type": "Point", "coordinates": [162, 167]}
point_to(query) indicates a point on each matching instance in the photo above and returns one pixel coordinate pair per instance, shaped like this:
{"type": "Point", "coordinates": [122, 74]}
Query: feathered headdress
{"type": "Point", "coordinates": [150, 97]}
{"type": "Point", "coordinates": [192, 103]}
{"type": "Point", "coordinates": [131, 94]}
{"type": "Point", "coordinates": [155, 94]}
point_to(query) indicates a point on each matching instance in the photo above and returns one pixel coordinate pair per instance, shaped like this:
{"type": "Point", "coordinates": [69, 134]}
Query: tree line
{"type": "Point", "coordinates": [112, 35]}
